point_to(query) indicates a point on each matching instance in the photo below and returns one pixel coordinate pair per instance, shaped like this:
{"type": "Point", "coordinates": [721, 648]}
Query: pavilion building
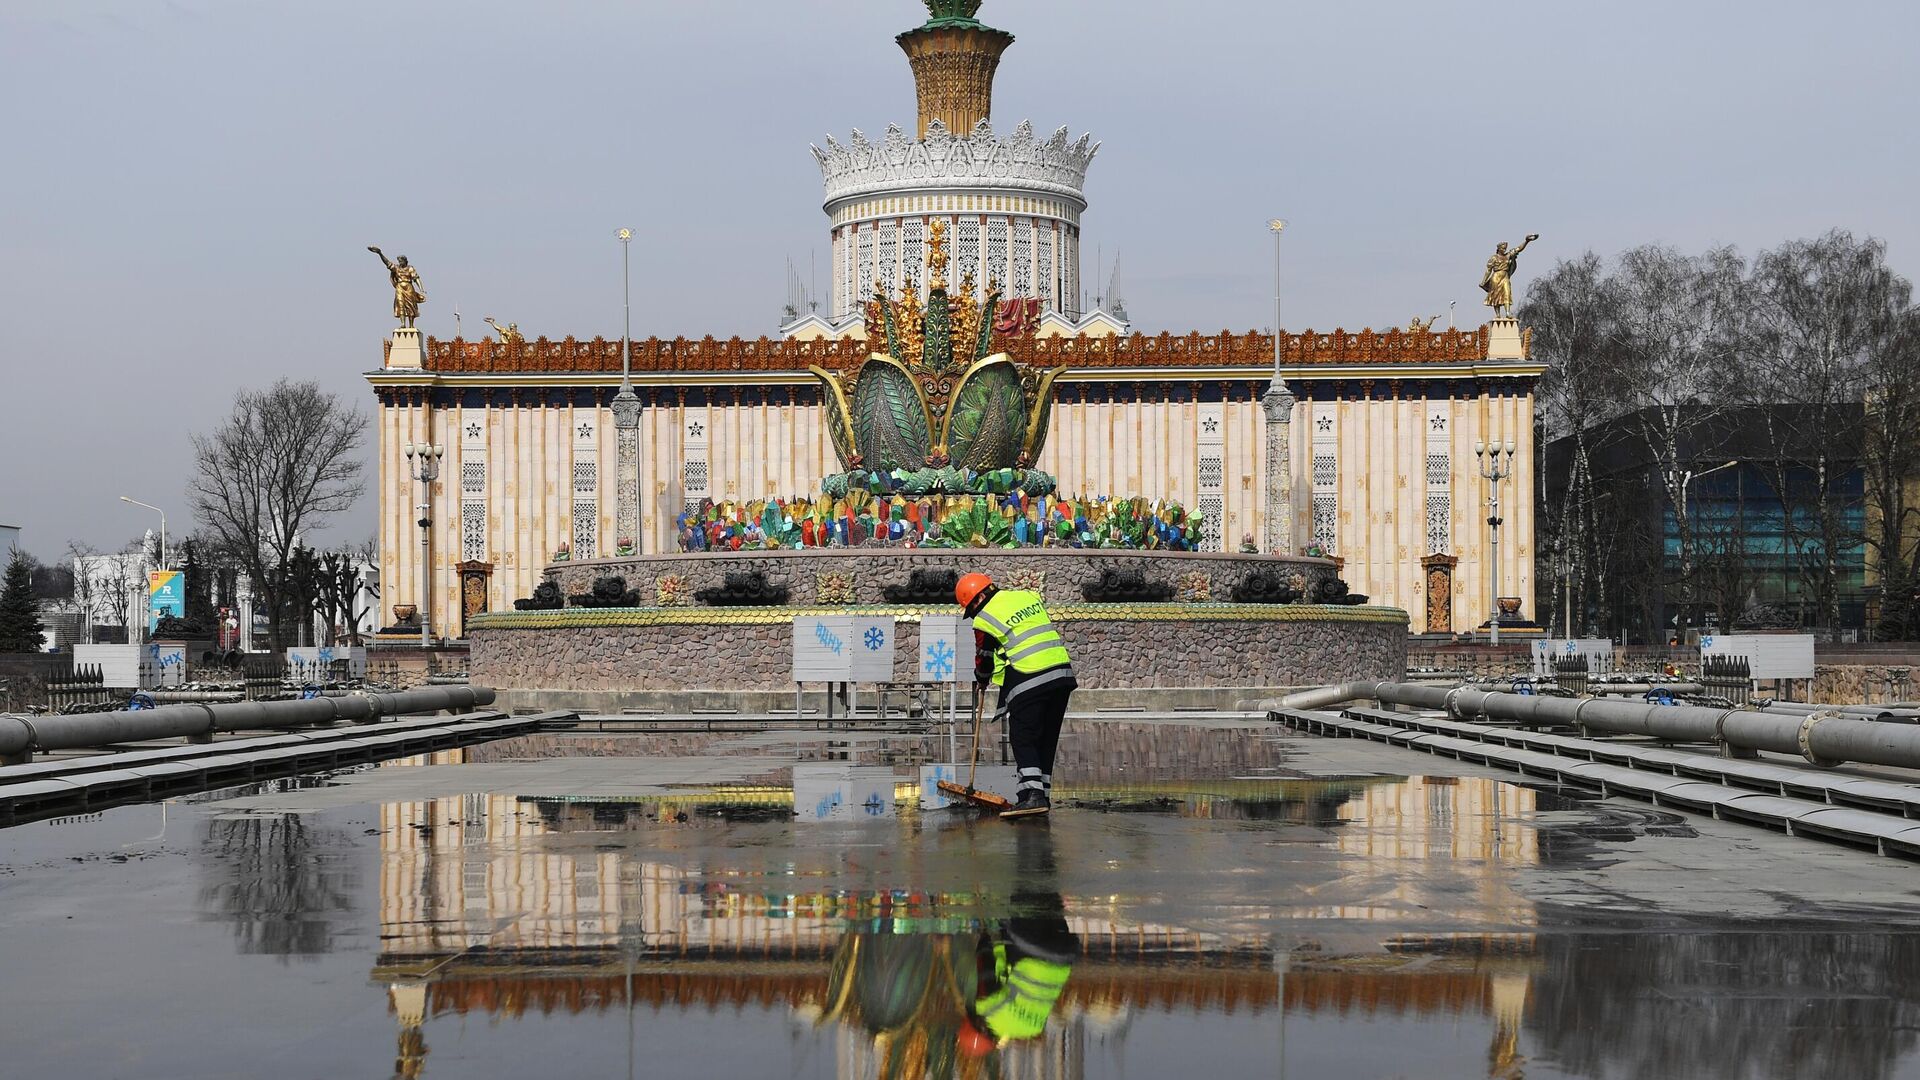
{"type": "Point", "coordinates": [1377, 429]}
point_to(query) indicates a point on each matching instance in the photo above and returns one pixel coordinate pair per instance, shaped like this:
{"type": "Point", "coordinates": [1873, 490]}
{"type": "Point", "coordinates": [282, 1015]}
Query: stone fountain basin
{"type": "Point", "coordinates": [608, 658]}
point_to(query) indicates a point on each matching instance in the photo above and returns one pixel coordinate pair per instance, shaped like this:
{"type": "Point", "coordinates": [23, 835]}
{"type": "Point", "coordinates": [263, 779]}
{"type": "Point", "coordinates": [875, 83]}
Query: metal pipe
{"type": "Point", "coordinates": [19, 734]}
{"type": "Point", "coordinates": [1824, 737]}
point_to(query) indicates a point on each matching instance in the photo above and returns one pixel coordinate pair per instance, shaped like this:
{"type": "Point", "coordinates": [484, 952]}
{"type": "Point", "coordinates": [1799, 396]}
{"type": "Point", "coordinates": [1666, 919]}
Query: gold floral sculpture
{"type": "Point", "coordinates": [940, 411]}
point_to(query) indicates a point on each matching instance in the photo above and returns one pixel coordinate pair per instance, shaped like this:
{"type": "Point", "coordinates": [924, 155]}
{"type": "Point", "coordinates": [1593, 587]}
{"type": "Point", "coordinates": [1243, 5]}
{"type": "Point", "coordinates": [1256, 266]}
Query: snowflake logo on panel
{"type": "Point", "coordinates": [875, 638]}
{"type": "Point", "coordinates": [940, 660]}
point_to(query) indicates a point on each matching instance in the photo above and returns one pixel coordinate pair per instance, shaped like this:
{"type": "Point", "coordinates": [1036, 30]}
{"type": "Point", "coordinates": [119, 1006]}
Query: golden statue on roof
{"type": "Point", "coordinates": [1497, 282]}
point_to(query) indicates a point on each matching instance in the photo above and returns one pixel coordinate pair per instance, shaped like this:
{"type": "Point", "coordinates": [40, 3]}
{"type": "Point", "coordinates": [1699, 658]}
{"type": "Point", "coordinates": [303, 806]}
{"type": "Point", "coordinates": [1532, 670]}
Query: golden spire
{"type": "Point", "coordinates": [954, 57]}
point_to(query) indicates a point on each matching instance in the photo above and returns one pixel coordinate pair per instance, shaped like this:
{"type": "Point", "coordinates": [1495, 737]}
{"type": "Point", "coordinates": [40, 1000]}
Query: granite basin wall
{"type": "Point", "coordinates": [1142, 645]}
{"type": "Point", "coordinates": [1064, 570]}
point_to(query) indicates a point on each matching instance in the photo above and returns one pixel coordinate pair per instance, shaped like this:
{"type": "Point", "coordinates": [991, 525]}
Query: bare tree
{"type": "Point", "coordinates": [1821, 310]}
{"type": "Point", "coordinates": [1573, 311]}
{"type": "Point", "coordinates": [1890, 459]}
{"type": "Point", "coordinates": [1678, 333]}
{"type": "Point", "coordinates": [285, 461]}
{"type": "Point", "coordinates": [122, 585]}
{"type": "Point", "coordinates": [85, 589]}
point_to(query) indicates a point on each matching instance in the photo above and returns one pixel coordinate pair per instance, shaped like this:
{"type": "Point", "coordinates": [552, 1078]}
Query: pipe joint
{"type": "Point", "coordinates": [1805, 737]}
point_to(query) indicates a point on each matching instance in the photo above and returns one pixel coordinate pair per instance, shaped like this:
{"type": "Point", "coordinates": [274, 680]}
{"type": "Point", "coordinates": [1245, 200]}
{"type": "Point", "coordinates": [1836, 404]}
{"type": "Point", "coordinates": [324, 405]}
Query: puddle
{"type": "Point", "coordinates": [1205, 901]}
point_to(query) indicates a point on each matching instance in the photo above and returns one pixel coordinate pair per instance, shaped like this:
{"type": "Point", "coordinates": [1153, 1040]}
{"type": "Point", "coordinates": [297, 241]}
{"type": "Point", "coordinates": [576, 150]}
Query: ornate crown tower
{"type": "Point", "coordinates": [1010, 206]}
{"type": "Point", "coordinates": [954, 57]}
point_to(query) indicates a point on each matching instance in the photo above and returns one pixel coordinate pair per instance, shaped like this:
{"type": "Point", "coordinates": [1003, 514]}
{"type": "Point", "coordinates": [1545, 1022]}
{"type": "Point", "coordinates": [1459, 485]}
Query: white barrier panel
{"type": "Point", "coordinates": [946, 649]}
{"type": "Point", "coordinates": [1774, 656]}
{"type": "Point", "coordinates": [842, 793]}
{"type": "Point", "coordinates": [119, 664]}
{"type": "Point", "coordinates": [823, 648]}
{"type": "Point", "coordinates": [872, 648]}
{"type": "Point", "coordinates": [1598, 651]}
{"type": "Point", "coordinates": [163, 665]}
{"type": "Point", "coordinates": [316, 661]}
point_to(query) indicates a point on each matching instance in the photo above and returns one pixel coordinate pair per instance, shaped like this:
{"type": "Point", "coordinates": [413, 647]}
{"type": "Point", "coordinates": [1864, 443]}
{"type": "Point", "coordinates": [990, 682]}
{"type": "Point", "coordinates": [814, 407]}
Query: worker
{"type": "Point", "coordinates": [1017, 648]}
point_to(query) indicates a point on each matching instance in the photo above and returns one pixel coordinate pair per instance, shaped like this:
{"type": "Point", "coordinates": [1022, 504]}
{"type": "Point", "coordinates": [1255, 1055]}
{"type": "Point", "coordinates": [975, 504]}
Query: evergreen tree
{"type": "Point", "coordinates": [19, 612]}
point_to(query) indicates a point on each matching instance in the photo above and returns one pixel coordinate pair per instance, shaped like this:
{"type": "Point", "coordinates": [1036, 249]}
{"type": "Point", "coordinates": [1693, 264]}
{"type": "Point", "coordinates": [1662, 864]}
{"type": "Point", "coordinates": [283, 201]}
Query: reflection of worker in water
{"type": "Point", "coordinates": [941, 1001]}
{"type": "Point", "coordinates": [1023, 970]}
{"type": "Point", "coordinates": [1017, 648]}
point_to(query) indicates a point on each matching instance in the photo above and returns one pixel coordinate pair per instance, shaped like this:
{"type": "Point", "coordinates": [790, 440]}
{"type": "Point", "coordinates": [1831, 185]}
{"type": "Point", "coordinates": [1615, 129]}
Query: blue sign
{"type": "Point", "coordinates": [166, 595]}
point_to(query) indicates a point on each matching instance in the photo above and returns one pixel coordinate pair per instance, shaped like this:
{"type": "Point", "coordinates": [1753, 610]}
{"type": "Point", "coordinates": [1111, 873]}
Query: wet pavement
{"type": "Point", "coordinates": [1224, 899]}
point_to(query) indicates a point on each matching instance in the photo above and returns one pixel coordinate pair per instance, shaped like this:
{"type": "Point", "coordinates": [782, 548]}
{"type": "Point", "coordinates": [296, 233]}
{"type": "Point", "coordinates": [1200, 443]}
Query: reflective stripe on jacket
{"type": "Point", "coordinates": [1029, 989]}
{"type": "Point", "coordinates": [1016, 622]}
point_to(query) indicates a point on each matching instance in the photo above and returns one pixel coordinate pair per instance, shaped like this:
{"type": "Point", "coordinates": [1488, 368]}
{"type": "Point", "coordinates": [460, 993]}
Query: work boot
{"type": "Point", "coordinates": [1031, 802]}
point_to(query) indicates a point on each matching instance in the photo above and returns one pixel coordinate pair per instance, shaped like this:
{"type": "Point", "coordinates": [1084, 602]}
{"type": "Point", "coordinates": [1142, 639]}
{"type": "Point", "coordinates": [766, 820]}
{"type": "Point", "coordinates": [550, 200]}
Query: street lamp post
{"type": "Point", "coordinates": [163, 527]}
{"type": "Point", "coordinates": [423, 460]}
{"type": "Point", "coordinates": [626, 417]}
{"type": "Point", "coordinates": [1494, 469]}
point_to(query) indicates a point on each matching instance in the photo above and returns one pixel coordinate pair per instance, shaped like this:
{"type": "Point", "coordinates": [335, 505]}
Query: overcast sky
{"type": "Point", "coordinates": [189, 185]}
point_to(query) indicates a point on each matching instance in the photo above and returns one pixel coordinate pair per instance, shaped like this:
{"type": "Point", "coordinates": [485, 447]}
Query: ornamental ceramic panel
{"type": "Point", "coordinates": [1023, 258]}
{"type": "Point", "coordinates": [863, 276]}
{"type": "Point", "coordinates": [913, 257]}
{"type": "Point", "coordinates": [889, 254]}
{"type": "Point", "coordinates": [586, 528]}
{"type": "Point", "coordinates": [1326, 477]}
{"type": "Point", "coordinates": [997, 251]}
{"type": "Point", "coordinates": [1049, 274]}
{"type": "Point", "coordinates": [843, 266]}
{"type": "Point", "coordinates": [696, 435]}
{"type": "Point", "coordinates": [1070, 273]}
{"type": "Point", "coordinates": [1439, 479]}
{"type": "Point", "coordinates": [473, 531]}
{"type": "Point", "coordinates": [1326, 522]}
{"type": "Point", "coordinates": [1211, 472]}
{"type": "Point", "coordinates": [1439, 522]}
{"type": "Point", "coordinates": [967, 251]}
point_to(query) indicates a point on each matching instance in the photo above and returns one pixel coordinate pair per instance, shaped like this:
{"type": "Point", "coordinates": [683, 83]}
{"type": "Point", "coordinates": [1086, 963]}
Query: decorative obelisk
{"type": "Point", "coordinates": [626, 423]}
{"type": "Point", "coordinates": [1277, 403]}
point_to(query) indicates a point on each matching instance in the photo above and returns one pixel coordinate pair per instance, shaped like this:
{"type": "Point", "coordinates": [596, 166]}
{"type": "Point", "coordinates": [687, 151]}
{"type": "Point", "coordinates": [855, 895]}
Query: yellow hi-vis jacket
{"type": "Point", "coordinates": [1028, 991]}
{"type": "Point", "coordinates": [1028, 650]}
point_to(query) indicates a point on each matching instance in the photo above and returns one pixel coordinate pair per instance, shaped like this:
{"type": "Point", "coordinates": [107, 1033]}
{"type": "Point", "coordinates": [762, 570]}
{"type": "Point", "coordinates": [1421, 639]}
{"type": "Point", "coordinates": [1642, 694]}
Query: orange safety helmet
{"type": "Point", "coordinates": [970, 586]}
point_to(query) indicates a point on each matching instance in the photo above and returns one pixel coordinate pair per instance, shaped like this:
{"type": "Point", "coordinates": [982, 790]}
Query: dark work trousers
{"type": "Point", "coordinates": [1033, 730]}
{"type": "Point", "coordinates": [1038, 923]}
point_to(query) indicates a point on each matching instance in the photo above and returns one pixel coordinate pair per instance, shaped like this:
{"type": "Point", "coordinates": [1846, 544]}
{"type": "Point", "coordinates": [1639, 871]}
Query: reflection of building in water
{"type": "Point", "coordinates": [501, 905]}
{"type": "Point", "coordinates": [1472, 827]}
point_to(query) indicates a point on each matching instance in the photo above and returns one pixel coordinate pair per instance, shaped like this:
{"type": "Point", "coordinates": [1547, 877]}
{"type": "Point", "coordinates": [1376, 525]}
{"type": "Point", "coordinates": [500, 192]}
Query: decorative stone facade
{"type": "Point", "coordinates": [1061, 571]}
{"type": "Point", "coordinates": [1113, 646]}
